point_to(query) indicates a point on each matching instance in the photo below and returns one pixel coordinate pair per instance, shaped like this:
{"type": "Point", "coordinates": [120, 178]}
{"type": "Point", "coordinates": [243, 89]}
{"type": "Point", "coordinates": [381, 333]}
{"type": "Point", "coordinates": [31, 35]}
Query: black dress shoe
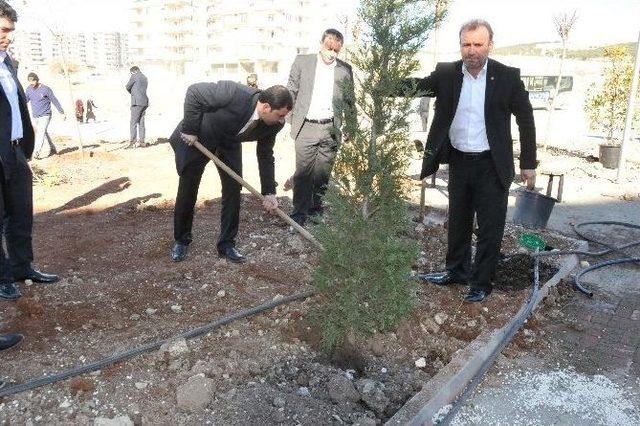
{"type": "Point", "coordinates": [179, 252]}
{"type": "Point", "coordinates": [476, 295]}
{"type": "Point", "coordinates": [232, 254]}
{"type": "Point", "coordinates": [9, 340]}
{"type": "Point", "coordinates": [9, 292]}
{"type": "Point", "coordinates": [442, 278]}
{"type": "Point", "coordinates": [39, 277]}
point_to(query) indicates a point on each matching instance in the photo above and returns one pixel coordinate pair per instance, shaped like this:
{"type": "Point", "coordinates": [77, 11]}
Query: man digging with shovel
{"type": "Point", "coordinates": [219, 117]}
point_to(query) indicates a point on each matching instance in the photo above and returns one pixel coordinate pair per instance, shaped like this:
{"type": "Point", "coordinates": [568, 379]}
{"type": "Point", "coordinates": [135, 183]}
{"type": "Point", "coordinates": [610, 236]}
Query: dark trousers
{"type": "Point", "coordinates": [137, 123]}
{"type": "Point", "coordinates": [316, 150]}
{"type": "Point", "coordinates": [16, 217]}
{"type": "Point", "coordinates": [475, 188]}
{"type": "Point", "coordinates": [188, 194]}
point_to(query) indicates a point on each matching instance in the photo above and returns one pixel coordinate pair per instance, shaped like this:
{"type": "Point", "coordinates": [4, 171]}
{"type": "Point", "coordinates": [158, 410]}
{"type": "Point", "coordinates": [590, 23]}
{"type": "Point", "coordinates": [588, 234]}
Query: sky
{"type": "Point", "coordinates": [514, 21]}
{"type": "Point", "coordinates": [519, 21]}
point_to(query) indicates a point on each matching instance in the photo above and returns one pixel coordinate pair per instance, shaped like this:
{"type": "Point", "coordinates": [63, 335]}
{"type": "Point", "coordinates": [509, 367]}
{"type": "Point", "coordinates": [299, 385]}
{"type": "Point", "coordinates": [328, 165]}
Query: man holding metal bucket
{"type": "Point", "coordinates": [471, 131]}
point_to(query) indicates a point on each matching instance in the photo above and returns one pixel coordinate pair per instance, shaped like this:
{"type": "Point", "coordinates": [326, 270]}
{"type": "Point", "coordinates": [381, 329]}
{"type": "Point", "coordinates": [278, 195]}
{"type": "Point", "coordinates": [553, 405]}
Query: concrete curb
{"type": "Point", "coordinates": [450, 382]}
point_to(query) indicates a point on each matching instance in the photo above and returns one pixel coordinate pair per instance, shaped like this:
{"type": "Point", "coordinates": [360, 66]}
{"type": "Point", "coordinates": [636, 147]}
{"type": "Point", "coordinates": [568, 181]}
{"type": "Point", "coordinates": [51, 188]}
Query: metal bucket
{"type": "Point", "coordinates": [609, 155]}
{"type": "Point", "coordinates": [533, 209]}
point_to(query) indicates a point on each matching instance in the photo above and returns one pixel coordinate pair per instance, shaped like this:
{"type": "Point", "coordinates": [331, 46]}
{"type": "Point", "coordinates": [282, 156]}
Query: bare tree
{"type": "Point", "coordinates": [440, 11]}
{"type": "Point", "coordinates": [563, 24]}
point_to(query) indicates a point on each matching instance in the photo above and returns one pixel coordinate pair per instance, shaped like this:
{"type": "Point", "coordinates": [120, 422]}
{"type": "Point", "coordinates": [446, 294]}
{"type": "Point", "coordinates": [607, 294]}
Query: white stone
{"type": "Point", "coordinates": [279, 402]}
{"type": "Point", "coordinates": [196, 394]}
{"type": "Point", "coordinates": [116, 421]}
{"type": "Point", "coordinates": [151, 311]}
{"type": "Point", "coordinates": [421, 362]}
{"type": "Point", "coordinates": [584, 264]}
{"type": "Point", "coordinates": [176, 308]}
{"type": "Point", "coordinates": [175, 348]}
{"type": "Point", "coordinates": [141, 385]}
{"type": "Point", "coordinates": [221, 294]}
{"type": "Point", "coordinates": [440, 318]}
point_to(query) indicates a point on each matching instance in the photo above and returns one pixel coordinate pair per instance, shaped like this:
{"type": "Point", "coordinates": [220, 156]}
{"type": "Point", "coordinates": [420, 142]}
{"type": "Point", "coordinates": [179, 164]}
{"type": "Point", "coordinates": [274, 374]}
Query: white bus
{"type": "Point", "coordinates": [541, 87]}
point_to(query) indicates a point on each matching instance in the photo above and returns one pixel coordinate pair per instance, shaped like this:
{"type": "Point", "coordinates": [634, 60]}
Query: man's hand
{"type": "Point", "coordinates": [270, 203]}
{"type": "Point", "coordinates": [528, 176]}
{"type": "Point", "coordinates": [188, 139]}
{"type": "Point", "coordinates": [288, 184]}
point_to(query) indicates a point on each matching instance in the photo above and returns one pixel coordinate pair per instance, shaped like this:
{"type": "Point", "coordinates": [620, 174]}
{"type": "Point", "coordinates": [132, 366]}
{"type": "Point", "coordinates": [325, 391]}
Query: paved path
{"type": "Point", "coordinates": [589, 374]}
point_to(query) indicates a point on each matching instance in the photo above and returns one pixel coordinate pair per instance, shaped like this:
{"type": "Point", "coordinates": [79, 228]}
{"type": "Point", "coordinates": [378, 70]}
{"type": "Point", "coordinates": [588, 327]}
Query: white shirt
{"type": "Point", "coordinates": [11, 91]}
{"type": "Point", "coordinates": [468, 132]}
{"type": "Point", "coordinates": [253, 117]}
{"type": "Point", "coordinates": [321, 106]}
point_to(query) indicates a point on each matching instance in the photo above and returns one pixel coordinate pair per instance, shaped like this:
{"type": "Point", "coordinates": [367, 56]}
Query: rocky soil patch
{"type": "Point", "coordinates": [120, 290]}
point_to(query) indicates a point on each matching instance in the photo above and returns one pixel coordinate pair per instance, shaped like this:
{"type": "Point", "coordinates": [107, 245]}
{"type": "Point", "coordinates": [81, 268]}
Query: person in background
{"type": "Point", "coordinates": [252, 80]}
{"type": "Point", "coordinates": [322, 90]}
{"type": "Point", "coordinates": [137, 86]}
{"type": "Point", "coordinates": [90, 114]}
{"type": "Point", "coordinates": [41, 97]}
{"type": "Point", "coordinates": [79, 110]}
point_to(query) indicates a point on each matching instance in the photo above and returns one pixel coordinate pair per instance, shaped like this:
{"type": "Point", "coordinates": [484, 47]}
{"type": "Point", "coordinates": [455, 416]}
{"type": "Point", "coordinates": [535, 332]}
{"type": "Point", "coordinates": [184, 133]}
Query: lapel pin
{"type": "Point", "coordinates": [492, 78]}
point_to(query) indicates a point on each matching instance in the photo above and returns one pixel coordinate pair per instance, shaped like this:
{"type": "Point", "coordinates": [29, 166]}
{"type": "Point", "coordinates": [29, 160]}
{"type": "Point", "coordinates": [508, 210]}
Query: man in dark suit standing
{"type": "Point", "coordinates": [222, 115]}
{"type": "Point", "coordinates": [16, 146]}
{"type": "Point", "coordinates": [137, 86]}
{"type": "Point", "coordinates": [471, 131]}
{"type": "Point", "coordinates": [322, 90]}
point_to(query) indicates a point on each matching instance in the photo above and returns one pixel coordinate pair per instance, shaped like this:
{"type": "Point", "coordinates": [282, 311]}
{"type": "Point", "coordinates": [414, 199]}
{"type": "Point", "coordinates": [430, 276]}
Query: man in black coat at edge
{"type": "Point", "coordinates": [16, 183]}
{"type": "Point", "coordinates": [471, 131]}
{"type": "Point", "coordinates": [221, 116]}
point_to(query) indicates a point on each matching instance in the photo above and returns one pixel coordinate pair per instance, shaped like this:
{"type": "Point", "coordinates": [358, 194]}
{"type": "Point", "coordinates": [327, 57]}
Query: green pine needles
{"type": "Point", "coordinates": [364, 274]}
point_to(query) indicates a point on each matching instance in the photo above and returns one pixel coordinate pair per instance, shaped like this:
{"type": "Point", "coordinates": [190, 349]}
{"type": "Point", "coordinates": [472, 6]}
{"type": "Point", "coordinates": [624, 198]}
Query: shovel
{"type": "Point", "coordinates": [251, 189]}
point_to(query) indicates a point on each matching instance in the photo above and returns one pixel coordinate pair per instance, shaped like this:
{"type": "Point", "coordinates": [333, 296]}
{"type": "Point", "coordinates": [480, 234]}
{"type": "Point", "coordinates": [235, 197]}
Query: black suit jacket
{"type": "Point", "coordinates": [5, 125]}
{"type": "Point", "coordinates": [216, 112]}
{"type": "Point", "coordinates": [505, 94]}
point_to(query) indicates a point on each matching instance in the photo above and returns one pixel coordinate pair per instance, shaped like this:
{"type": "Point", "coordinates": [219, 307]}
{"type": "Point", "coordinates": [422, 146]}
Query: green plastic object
{"type": "Point", "coordinates": [532, 242]}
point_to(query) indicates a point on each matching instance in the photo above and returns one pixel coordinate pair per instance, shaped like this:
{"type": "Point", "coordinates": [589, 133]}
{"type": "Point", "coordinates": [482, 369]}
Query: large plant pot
{"type": "Point", "coordinates": [609, 155]}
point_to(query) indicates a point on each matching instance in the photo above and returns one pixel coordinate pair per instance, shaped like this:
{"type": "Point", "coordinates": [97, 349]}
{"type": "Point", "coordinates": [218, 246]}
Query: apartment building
{"type": "Point", "coordinates": [29, 48]}
{"type": "Point", "coordinates": [99, 50]}
{"type": "Point", "coordinates": [230, 38]}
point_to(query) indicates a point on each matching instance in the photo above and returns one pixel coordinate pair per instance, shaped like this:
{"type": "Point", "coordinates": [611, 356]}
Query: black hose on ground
{"type": "Point", "coordinates": [610, 249]}
{"type": "Point", "coordinates": [579, 285]}
{"type": "Point", "coordinates": [97, 365]}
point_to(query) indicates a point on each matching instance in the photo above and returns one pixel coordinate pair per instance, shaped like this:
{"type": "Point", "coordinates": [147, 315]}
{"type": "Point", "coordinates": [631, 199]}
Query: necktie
{"type": "Point", "coordinates": [9, 63]}
{"type": "Point", "coordinates": [244, 136]}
